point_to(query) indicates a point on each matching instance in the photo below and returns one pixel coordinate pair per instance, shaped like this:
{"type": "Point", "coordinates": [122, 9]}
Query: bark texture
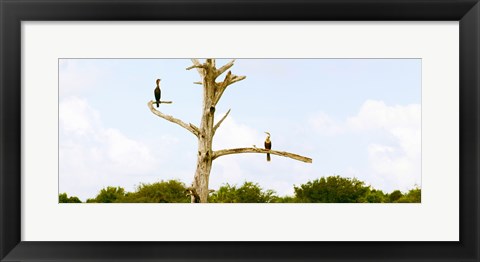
{"type": "Point", "coordinates": [224, 152]}
{"type": "Point", "coordinates": [212, 93]}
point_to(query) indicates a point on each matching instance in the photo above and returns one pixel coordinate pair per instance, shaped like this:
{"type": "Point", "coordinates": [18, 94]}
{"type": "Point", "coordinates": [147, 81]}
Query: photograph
{"type": "Point", "coordinates": [302, 129]}
{"type": "Point", "coordinates": [221, 130]}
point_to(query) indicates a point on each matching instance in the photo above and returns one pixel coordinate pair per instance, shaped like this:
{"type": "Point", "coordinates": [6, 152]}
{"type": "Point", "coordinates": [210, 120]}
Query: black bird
{"type": "Point", "coordinates": [158, 92]}
{"type": "Point", "coordinates": [268, 145]}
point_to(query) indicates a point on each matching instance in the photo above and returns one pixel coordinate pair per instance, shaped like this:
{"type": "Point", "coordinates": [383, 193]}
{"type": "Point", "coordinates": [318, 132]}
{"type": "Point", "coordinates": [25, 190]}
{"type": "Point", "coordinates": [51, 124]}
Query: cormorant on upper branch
{"type": "Point", "coordinates": [158, 93]}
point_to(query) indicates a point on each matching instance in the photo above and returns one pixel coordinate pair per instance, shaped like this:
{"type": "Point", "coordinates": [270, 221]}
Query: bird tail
{"type": "Point", "coordinates": [268, 156]}
{"type": "Point", "coordinates": [158, 104]}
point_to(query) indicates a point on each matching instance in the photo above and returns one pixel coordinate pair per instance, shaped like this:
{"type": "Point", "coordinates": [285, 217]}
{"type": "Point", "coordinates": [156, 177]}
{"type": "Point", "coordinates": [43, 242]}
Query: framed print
{"type": "Point", "coordinates": [359, 118]}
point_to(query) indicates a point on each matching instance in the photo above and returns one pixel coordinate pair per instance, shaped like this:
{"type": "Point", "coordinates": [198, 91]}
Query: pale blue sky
{"type": "Point", "coordinates": [354, 117]}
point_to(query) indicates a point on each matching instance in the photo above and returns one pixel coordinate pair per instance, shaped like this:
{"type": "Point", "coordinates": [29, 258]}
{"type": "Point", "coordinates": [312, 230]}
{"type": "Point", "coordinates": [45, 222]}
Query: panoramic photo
{"type": "Point", "coordinates": [239, 130]}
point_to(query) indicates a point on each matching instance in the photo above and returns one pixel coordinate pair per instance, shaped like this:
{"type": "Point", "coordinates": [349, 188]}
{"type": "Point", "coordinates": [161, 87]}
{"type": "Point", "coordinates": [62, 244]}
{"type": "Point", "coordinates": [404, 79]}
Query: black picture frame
{"type": "Point", "coordinates": [13, 12]}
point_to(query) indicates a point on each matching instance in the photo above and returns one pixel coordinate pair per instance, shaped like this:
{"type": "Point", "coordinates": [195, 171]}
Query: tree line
{"type": "Point", "coordinates": [331, 189]}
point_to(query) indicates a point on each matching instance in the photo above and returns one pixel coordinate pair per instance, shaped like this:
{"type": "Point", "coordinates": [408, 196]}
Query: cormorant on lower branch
{"type": "Point", "coordinates": [268, 145]}
{"type": "Point", "coordinates": [158, 93]}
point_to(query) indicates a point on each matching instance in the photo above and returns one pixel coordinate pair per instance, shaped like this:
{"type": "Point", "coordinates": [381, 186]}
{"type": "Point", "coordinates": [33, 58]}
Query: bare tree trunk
{"type": "Point", "coordinates": [212, 92]}
{"type": "Point", "coordinates": [205, 139]}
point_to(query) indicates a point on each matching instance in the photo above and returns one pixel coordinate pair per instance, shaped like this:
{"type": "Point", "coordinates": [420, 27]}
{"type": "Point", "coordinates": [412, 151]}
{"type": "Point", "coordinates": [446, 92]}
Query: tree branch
{"type": "Point", "coordinates": [195, 61]}
{"type": "Point", "coordinates": [224, 152]}
{"type": "Point", "coordinates": [190, 127]}
{"type": "Point", "coordinates": [228, 77]}
{"type": "Point", "coordinates": [236, 79]}
{"type": "Point", "coordinates": [199, 66]}
{"type": "Point", "coordinates": [220, 87]}
{"type": "Point", "coordinates": [224, 68]}
{"type": "Point", "coordinates": [196, 66]}
{"type": "Point", "coordinates": [221, 120]}
{"type": "Point", "coordinates": [162, 102]}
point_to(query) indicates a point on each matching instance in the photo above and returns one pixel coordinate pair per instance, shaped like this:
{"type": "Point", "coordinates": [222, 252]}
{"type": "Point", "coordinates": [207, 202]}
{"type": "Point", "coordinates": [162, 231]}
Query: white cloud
{"type": "Point", "coordinates": [232, 134]}
{"type": "Point", "coordinates": [376, 114]}
{"type": "Point", "coordinates": [77, 117]}
{"type": "Point", "coordinates": [395, 166]}
{"type": "Point", "coordinates": [227, 169]}
{"type": "Point", "coordinates": [93, 156]}
{"type": "Point", "coordinates": [280, 174]}
{"type": "Point", "coordinates": [395, 160]}
{"type": "Point", "coordinates": [130, 155]}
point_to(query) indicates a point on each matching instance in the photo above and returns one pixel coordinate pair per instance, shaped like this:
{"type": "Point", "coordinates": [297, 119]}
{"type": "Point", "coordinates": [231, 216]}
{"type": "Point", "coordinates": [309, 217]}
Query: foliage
{"type": "Point", "coordinates": [333, 189]}
{"type": "Point", "coordinates": [394, 196]}
{"type": "Point", "coordinates": [171, 191]}
{"type": "Point", "coordinates": [63, 198]}
{"type": "Point", "coordinates": [109, 195]}
{"type": "Point", "coordinates": [413, 196]}
{"type": "Point", "coordinates": [374, 196]}
{"type": "Point", "coordinates": [286, 199]}
{"type": "Point", "coordinates": [336, 189]}
{"type": "Point", "coordinates": [247, 193]}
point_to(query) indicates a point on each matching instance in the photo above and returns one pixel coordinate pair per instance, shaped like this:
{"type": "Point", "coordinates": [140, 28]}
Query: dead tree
{"type": "Point", "coordinates": [212, 92]}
